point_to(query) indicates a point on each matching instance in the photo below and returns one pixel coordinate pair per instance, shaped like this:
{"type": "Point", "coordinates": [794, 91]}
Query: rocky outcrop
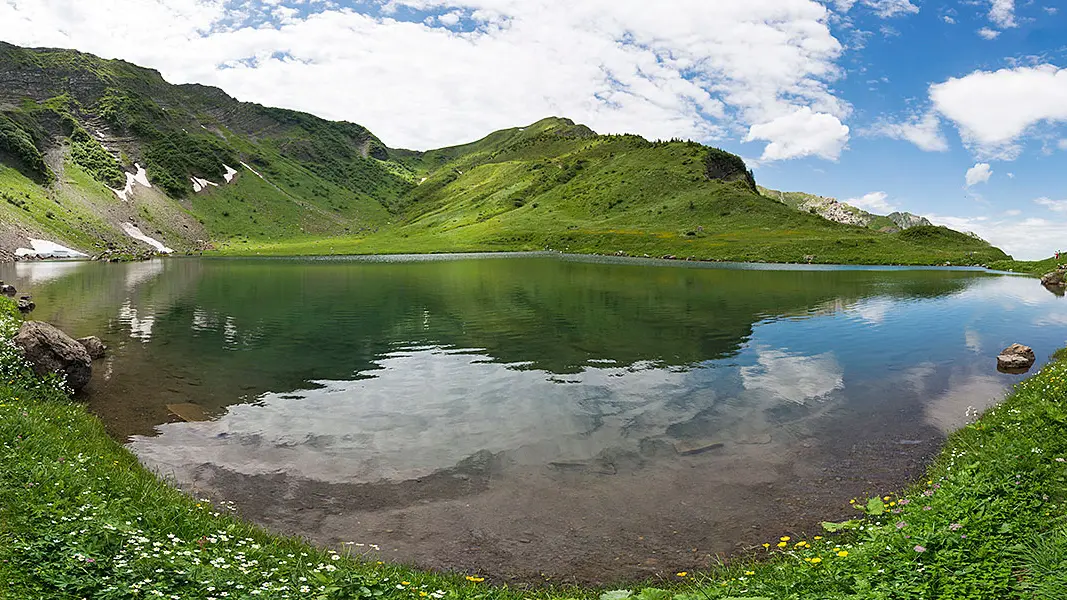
{"type": "Point", "coordinates": [832, 210]}
{"type": "Point", "coordinates": [906, 220]}
{"type": "Point", "coordinates": [49, 350]}
{"type": "Point", "coordinates": [93, 346]}
{"type": "Point", "coordinates": [1016, 358]}
{"type": "Point", "coordinates": [1055, 279]}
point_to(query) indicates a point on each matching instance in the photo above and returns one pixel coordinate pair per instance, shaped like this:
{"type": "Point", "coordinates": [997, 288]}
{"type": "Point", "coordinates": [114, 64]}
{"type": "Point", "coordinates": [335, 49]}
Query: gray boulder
{"type": "Point", "coordinates": [49, 350]}
{"type": "Point", "coordinates": [1055, 279]}
{"type": "Point", "coordinates": [93, 346]}
{"type": "Point", "coordinates": [7, 290]}
{"type": "Point", "coordinates": [1016, 358]}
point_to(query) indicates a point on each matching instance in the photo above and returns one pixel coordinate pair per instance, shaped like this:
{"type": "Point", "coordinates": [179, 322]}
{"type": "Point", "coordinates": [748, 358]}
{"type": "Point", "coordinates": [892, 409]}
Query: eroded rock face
{"type": "Point", "coordinates": [1016, 358]}
{"type": "Point", "coordinates": [93, 346]}
{"type": "Point", "coordinates": [49, 350]}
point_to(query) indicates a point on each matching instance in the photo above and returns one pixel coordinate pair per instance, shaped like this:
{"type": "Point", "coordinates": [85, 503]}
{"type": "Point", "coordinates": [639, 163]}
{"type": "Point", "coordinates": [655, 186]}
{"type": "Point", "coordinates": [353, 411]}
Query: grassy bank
{"type": "Point", "coordinates": [79, 518]}
{"type": "Point", "coordinates": [1032, 267]}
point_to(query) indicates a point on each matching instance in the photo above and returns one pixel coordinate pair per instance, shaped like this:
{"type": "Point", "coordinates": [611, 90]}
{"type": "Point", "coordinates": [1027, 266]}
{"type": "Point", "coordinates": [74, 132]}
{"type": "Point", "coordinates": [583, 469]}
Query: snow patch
{"type": "Point", "coordinates": [245, 165]}
{"type": "Point", "coordinates": [200, 185]}
{"type": "Point", "coordinates": [140, 177]}
{"type": "Point", "coordinates": [133, 231]}
{"type": "Point", "coordinates": [230, 172]}
{"type": "Point", "coordinates": [46, 249]}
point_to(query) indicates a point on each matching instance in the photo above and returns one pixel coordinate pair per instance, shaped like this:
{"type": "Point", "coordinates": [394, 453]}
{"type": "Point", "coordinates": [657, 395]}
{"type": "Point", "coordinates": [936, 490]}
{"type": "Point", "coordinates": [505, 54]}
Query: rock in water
{"type": "Point", "coordinates": [93, 346]}
{"type": "Point", "coordinates": [7, 290]}
{"type": "Point", "coordinates": [26, 305]}
{"type": "Point", "coordinates": [1055, 279]}
{"type": "Point", "coordinates": [1016, 358]}
{"type": "Point", "coordinates": [49, 350]}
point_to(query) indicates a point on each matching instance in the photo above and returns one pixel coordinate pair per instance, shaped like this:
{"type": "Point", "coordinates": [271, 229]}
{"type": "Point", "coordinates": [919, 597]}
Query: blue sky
{"type": "Point", "coordinates": [953, 110]}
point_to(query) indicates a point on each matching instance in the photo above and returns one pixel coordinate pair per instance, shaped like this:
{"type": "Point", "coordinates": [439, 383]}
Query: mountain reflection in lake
{"type": "Point", "coordinates": [580, 419]}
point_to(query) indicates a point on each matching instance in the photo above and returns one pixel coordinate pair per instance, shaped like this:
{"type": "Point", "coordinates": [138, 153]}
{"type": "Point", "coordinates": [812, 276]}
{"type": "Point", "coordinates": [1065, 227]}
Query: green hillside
{"type": "Point", "coordinates": [243, 179]}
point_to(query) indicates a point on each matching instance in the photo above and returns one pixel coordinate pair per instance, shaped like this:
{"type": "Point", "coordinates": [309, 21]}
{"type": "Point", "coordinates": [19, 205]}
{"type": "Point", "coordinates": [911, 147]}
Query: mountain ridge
{"type": "Point", "coordinates": [90, 148]}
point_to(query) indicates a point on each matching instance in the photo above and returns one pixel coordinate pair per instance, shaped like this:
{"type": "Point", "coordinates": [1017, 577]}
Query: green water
{"type": "Point", "coordinates": [493, 413]}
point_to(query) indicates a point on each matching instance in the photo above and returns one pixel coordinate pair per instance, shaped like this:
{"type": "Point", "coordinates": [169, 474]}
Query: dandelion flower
{"type": "Point", "coordinates": [842, 553]}
{"type": "Point", "coordinates": [750, 572]}
{"type": "Point", "coordinates": [784, 538]}
{"type": "Point", "coordinates": [816, 560]}
{"type": "Point", "coordinates": [682, 573]}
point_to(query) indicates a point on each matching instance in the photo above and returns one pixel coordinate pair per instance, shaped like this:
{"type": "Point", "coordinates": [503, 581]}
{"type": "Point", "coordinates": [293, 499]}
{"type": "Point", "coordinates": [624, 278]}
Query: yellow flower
{"type": "Point", "coordinates": [475, 578]}
{"type": "Point", "coordinates": [818, 537]}
{"type": "Point", "coordinates": [816, 560]}
{"type": "Point", "coordinates": [423, 594]}
{"type": "Point", "coordinates": [782, 544]}
{"type": "Point", "coordinates": [886, 498]}
{"type": "Point", "coordinates": [750, 572]}
{"type": "Point", "coordinates": [852, 501]}
{"type": "Point", "coordinates": [405, 583]}
{"type": "Point", "coordinates": [807, 559]}
{"type": "Point", "coordinates": [843, 553]}
{"type": "Point", "coordinates": [682, 573]}
{"type": "Point", "coordinates": [766, 545]}
{"type": "Point", "coordinates": [892, 504]}
{"type": "Point", "coordinates": [784, 538]}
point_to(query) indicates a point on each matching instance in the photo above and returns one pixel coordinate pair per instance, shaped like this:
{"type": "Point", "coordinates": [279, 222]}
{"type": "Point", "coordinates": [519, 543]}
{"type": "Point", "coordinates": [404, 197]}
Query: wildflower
{"type": "Point", "coordinates": [750, 572]}
{"type": "Point", "coordinates": [928, 508]}
{"type": "Point", "coordinates": [901, 525]}
{"type": "Point", "coordinates": [954, 526]}
{"type": "Point", "coordinates": [886, 498]}
{"type": "Point", "coordinates": [920, 548]}
{"type": "Point", "coordinates": [682, 573]}
{"type": "Point", "coordinates": [842, 553]}
{"type": "Point", "coordinates": [766, 545]}
{"type": "Point", "coordinates": [782, 544]}
{"type": "Point", "coordinates": [816, 560]}
{"type": "Point", "coordinates": [405, 583]}
{"type": "Point", "coordinates": [475, 578]}
{"type": "Point", "coordinates": [784, 538]}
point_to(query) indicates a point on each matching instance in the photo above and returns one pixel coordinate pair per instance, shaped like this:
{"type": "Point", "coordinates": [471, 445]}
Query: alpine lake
{"type": "Point", "coordinates": [539, 417]}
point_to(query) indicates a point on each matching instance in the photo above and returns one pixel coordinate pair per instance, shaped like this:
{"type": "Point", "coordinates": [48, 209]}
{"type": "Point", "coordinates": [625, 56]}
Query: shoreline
{"type": "Point", "coordinates": [984, 463]}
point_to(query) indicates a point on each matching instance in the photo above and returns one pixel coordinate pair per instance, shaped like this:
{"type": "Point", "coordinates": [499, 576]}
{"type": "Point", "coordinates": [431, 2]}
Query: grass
{"type": "Point", "coordinates": [1032, 267]}
{"type": "Point", "coordinates": [80, 518]}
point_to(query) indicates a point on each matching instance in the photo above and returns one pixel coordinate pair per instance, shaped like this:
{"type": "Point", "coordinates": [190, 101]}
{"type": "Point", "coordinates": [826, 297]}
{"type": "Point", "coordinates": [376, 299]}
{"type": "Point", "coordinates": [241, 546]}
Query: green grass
{"type": "Point", "coordinates": [1032, 267]}
{"type": "Point", "coordinates": [80, 518]}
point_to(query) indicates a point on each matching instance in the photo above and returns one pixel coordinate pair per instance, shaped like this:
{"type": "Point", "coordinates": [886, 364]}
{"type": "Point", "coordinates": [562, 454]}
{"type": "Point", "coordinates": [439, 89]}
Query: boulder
{"type": "Point", "coordinates": [93, 346]}
{"type": "Point", "coordinates": [49, 350]}
{"type": "Point", "coordinates": [1057, 278]}
{"type": "Point", "coordinates": [7, 290]}
{"type": "Point", "coordinates": [1016, 358]}
{"type": "Point", "coordinates": [26, 305]}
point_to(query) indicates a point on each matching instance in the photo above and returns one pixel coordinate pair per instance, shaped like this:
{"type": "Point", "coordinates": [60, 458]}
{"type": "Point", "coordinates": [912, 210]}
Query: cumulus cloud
{"type": "Point", "coordinates": [1053, 205]}
{"type": "Point", "coordinates": [992, 109]}
{"type": "Point", "coordinates": [872, 202]}
{"type": "Point", "coordinates": [979, 173]}
{"type": "Point", "coordinates": [989, 34]}
{"type": "Point", "coordinates": [479, 65]}
{"type": "Point", "coordinates": [802, 133]}
{"type": "Point", "coordinates": [1002, 13]}
{"type": "Point", "coordinates": [1025, 239]}
{"type": "Point", "coordinates": [924, 132]}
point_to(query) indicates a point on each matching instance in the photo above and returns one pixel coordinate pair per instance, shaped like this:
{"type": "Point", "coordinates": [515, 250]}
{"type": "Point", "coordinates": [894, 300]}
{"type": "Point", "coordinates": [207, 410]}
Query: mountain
{"type": "Point", "coordinates": [833, 210]}
{"type": "Point", "coordinates": [98, 154]}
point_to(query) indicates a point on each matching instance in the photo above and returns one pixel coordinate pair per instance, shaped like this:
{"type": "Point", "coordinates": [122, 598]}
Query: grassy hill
{"type": "Point", "coordinates": [76, 129]}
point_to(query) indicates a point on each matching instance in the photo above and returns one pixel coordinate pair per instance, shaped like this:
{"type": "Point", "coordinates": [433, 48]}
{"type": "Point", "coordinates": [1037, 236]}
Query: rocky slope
{"type": "Point", "coordinates": [833, 210]}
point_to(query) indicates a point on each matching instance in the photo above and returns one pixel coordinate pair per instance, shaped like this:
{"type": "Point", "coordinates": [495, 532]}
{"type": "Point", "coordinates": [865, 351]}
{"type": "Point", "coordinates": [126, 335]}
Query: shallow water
{"type": "Point", "coordinates": [535, 417]}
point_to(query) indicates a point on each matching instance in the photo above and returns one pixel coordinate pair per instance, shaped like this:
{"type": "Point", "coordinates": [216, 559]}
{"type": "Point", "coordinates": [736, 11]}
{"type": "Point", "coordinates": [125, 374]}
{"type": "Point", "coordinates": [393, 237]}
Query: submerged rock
{"type": "Point", "coordinates": [49, 350]}
{"type": "Point", "coordinates": [93, 346]}
{"type": "Point", "coordinates": [7, 290]}
{"type": "Point", "coordinates": [1016, 359]}
{"type": "Point", "coordinates": [26, 305]}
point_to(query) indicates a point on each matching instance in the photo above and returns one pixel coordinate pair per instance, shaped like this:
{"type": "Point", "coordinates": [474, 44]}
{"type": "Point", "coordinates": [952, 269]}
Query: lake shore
{"type": "Point", "coordinates": [82, 518]}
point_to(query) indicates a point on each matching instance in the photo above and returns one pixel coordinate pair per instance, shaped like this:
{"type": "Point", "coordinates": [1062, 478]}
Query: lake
{"type": "Point", "coordinates": [540, 417]}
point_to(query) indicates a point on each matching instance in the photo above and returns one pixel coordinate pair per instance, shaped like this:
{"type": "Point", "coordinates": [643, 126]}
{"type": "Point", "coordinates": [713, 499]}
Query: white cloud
{"type": "Point", "coordinates": [948, 19]}
{"type": "Point", "coordinates": [802, 133]}
{"type": "Point", "coordinates": [924, 132]}
{"type": "Point", "coordinates": [1002, 12]}
{"type": "Point", "coordinates": [1025, 239]}
{"type": "Point", "coordinates": [616, 65]}
{"type": "Point", "coordinates": [883, 8]}
{"type": "Point", "coordinates": [872, 202]}
{"type": "Point", "coordinates": [1014, 212]}
{"type": "Point", "coordinates": [1062, 144]}
{"type": "Point", "coordinates": [794, 377]}
{"type": "Point", "coordinates": [979, 173]}
{"type": "Point", "coordinates": [989, 34]}
{"type": "Point", "coordinates": [1053, 205]}
{"type": "Point", "coordinates": [993, 109]}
